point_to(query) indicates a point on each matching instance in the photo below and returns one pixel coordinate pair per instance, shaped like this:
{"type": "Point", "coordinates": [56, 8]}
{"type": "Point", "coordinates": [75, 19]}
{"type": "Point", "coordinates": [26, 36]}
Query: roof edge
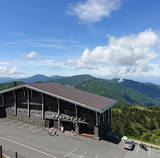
{"type": "Point", "coordinates": [108, 107]}
{"type": "Point", "coordinates": [12, 89]}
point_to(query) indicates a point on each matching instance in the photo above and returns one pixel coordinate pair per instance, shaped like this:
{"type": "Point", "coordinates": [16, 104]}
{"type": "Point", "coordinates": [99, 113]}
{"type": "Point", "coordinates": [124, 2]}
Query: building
{"type": "Point", "coordinates": [59, 106]}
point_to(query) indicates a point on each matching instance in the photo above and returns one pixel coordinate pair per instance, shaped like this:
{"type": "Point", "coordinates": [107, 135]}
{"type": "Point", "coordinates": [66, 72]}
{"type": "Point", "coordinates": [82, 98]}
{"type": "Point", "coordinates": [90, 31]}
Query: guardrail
{"type": "Point", "coordinates": [5, 153]}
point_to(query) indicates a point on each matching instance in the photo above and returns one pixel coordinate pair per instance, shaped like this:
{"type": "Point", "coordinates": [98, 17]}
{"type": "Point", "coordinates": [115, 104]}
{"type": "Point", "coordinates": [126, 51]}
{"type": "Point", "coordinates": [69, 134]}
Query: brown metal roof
{"type": "Point", "coordinates": [85, 99]}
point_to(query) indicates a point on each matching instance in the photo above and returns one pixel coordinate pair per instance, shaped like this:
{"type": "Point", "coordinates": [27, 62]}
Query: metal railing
{"type": "Point", "coordinates": [5, 153]}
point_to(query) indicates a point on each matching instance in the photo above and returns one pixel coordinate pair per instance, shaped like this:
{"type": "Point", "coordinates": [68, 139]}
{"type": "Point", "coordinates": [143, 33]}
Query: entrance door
{"type": "Point", "coordinates": [86, 128]}
{"type": "Point", "coordinates": [49, 123]}
{"type": "Point", "coordinates": [55, 124]}
{"type": "Point", "coordinates": [68, 126]}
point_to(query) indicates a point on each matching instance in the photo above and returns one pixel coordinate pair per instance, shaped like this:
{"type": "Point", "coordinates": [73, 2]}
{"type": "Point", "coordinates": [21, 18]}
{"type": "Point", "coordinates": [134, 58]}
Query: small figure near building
{"type": "Point", "coordinates": [55, 132]}
{"type": "Point", "coordinates": [50, 131]}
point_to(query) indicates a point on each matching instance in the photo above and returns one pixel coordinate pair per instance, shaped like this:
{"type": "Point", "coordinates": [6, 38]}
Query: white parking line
{"type": "Point", "coordinates": [23, 126]}
{"type": "Point", "coordinates": [9, 121]}
{"type": "Point", "coordinates": [137, 148]}
{"type": "Point", "coordinates": [96, 156]}
{"type": "Point", "coordinates": [30, 128]}
{"type": "Point", "coordinates": [36, 130]}
{"type": "Point", "coordinates": [28, 147]}
{"type": "Point", "coordinates": [70, 152]}
{"type": "Point", "coordinates": [16, 123]}
{"type": "Point", "coordinates": [149, 152]}
{"type": "Point", "coordinates": [82, 155]}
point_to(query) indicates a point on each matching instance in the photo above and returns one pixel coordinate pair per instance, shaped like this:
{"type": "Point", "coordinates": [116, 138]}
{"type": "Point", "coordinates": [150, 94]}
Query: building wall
{"type": "Point", "coordinates": [32, 106]}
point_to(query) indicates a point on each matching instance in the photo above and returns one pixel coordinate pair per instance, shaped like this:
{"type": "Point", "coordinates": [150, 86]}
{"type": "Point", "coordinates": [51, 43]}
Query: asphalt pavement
{"type": "Point", "coordinates": [33, 141]}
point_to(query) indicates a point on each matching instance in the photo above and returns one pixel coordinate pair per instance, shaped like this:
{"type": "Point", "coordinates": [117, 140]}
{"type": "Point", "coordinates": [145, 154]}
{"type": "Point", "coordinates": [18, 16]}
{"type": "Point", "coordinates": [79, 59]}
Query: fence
{"type": "Point", "coordinates": [4, 153]}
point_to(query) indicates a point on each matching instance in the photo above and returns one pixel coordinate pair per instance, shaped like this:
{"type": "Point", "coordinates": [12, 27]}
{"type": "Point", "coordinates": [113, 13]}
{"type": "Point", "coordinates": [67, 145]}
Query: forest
{"type": "Point", "coordinates": [137, 122]}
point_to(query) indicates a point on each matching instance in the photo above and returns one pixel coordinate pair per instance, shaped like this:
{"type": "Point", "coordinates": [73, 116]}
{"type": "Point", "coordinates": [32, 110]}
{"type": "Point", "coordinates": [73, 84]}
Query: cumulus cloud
{"type": "Point", "coordinates": [32, 55]}
{"type": "Point", "coordinates": [94, 10]}
{"type": "Point", "coordinates": [126, 55]}
{"type": "Point", "coordinates": [5, 71]}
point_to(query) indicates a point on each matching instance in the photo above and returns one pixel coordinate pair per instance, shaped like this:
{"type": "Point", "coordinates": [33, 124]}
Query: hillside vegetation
{"type": "Point", "coordinates": [73, 80]}
{"type": "Point", "coordinates": [9, 85]}
{"type": "Point", "coordinates": [150, 90]}
{"type": "Point", "coordinates": [115, 91]}
{"type": "Point", "coordinates": [137, 122]}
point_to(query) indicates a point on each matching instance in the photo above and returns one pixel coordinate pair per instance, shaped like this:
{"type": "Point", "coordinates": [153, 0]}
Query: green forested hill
{"type": "Point", "coordinates": [138, 122]}
{"type": "Point", "coordinates": [150, 90]}
{"type": "Point", "coordinates": [115, 91]}
{"type": "Point", "coordinates": [9, 85]}
{"type": "Point", "coordinates": [73, 80]}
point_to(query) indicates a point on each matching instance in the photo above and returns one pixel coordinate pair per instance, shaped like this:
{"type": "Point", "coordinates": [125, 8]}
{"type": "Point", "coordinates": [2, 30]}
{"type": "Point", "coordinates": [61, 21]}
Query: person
{"type": "Point", "coordinates": [55, 132]}
{"type": "Point", "coordinates": [50, 131]}
{"type": "Point", "coordinates": [72, 132]}
{"type": "Point", "coordinates": [62, 129]}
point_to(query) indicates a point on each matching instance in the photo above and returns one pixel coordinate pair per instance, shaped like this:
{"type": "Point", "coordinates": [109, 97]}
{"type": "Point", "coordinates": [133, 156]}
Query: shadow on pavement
{"type": "Point", "coordinates": [113, 138]}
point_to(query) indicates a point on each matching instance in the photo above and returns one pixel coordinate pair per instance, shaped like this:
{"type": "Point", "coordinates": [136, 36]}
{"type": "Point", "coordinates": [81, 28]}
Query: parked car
{"type": "Point", "coordinates": [129, 144]}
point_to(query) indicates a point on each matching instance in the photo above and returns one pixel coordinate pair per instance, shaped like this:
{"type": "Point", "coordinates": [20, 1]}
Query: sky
{"type": "Point", "coordinates": [103, 38]}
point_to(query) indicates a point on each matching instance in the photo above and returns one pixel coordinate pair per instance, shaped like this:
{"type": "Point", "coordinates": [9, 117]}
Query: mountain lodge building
{"type": "Point", "coordinates": [59, 106]}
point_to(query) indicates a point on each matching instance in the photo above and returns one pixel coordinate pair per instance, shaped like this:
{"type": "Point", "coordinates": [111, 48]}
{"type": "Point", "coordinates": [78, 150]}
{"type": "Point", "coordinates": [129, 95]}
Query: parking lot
{"type": "Point", "coordinates": [33, 141]}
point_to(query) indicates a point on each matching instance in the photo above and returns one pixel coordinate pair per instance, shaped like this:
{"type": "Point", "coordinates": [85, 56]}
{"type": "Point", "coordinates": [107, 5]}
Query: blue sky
{"type": "Point", "coordinates": [103, 38]}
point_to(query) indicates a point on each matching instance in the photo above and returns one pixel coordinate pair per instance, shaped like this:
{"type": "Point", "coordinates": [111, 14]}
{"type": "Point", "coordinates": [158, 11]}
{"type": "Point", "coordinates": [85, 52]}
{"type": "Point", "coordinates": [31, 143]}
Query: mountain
{"type": "Point", "coordinates": [115, 91]}
{"type": "Point", "coordinates": [73, 80]}
{"type": "Point", "coordinates": [6, 79]}
{"type": "Point", "coordinates": [38, 78]}
{"type": "Point", "coordinates": [150, 90]}
{"type": "Point", "coordinates": [32, 79]}
{"type": "Point", "coordinates": [126, 92]}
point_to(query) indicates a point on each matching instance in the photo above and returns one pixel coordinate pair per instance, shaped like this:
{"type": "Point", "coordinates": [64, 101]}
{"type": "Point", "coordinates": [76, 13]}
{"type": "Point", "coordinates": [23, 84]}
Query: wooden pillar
{"type": "Point", "coordinates": [96, 127]}
{"type": "Point", "coordinates": [15, 103]}
{"type": "Point", "coordinates": [59, 112]}
{"type": "Point", "coordinates": [28, 103]}
{"type": "Point", "coordinates": [2, 100]}
{"type": "Point", "coordinates": [76, 112]}
{"type": "Point", "coordinates": [58, 106]}
{"type": "Point", "coordinates": [1, 152]}
{"type": "Point", "coordinates": [96, 118]}
{"type": "Point", "coordinates": [109, 116]}
{"type": "Point", "coordinates": [76, 123]}
{"type": "Point", "coordinates": [42, 106]}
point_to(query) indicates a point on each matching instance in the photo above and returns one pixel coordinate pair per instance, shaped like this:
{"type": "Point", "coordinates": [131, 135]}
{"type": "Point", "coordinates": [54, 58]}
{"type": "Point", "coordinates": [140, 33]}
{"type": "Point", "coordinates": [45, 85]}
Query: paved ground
{"type": "Point", "coordinates": [34, 142]}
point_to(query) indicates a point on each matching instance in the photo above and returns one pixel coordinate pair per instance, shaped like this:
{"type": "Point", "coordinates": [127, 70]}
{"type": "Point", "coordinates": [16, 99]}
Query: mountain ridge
{"type": "Point", "coordinates": [124, 91]}
{"type": "Point", "coordinates": [32, 79]}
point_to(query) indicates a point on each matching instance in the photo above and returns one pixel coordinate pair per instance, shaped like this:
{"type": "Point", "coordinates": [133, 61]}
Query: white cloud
{"type": "Point", "coordinates": [94, 10]}
{"type": "Point", "coordinates": [127, 55]}
{"type": "Point", "coordinates": [6, 72]}
{"type": "Point", "coordinates": [3, 63]}
{"type": "Point", "coordinates": [32, 55]}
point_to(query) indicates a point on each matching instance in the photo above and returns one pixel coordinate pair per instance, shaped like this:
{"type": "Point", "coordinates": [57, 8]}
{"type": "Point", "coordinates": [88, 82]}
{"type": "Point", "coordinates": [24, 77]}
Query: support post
{"type": "Point", "coordinates": [58, 106]}
{"type": "Point", "coordinates": [76, 123]}
{"type": "Point", "coordinates": [28, 103]}
{"type": "Point", "coordinates": [59, 112]}
{"type": "Point", "coordinates": [96, 118]}
{"type": "Point", "coordinates": [42, 106]}
{"type": "Point", "coordinates": [76, 112]}
{"type": "Point", "coordinates": [2, 99]}
{"type": "Point", "coordinates": [16, 155]}
{"type": "Point", "coordinates": [15, 103]}
{"type": "Point", "coordinates": [1, 151]}
{"type": "Point", "coordinates": [96, 128]}
{"type": "Point", "coordinates": [109, 117]}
